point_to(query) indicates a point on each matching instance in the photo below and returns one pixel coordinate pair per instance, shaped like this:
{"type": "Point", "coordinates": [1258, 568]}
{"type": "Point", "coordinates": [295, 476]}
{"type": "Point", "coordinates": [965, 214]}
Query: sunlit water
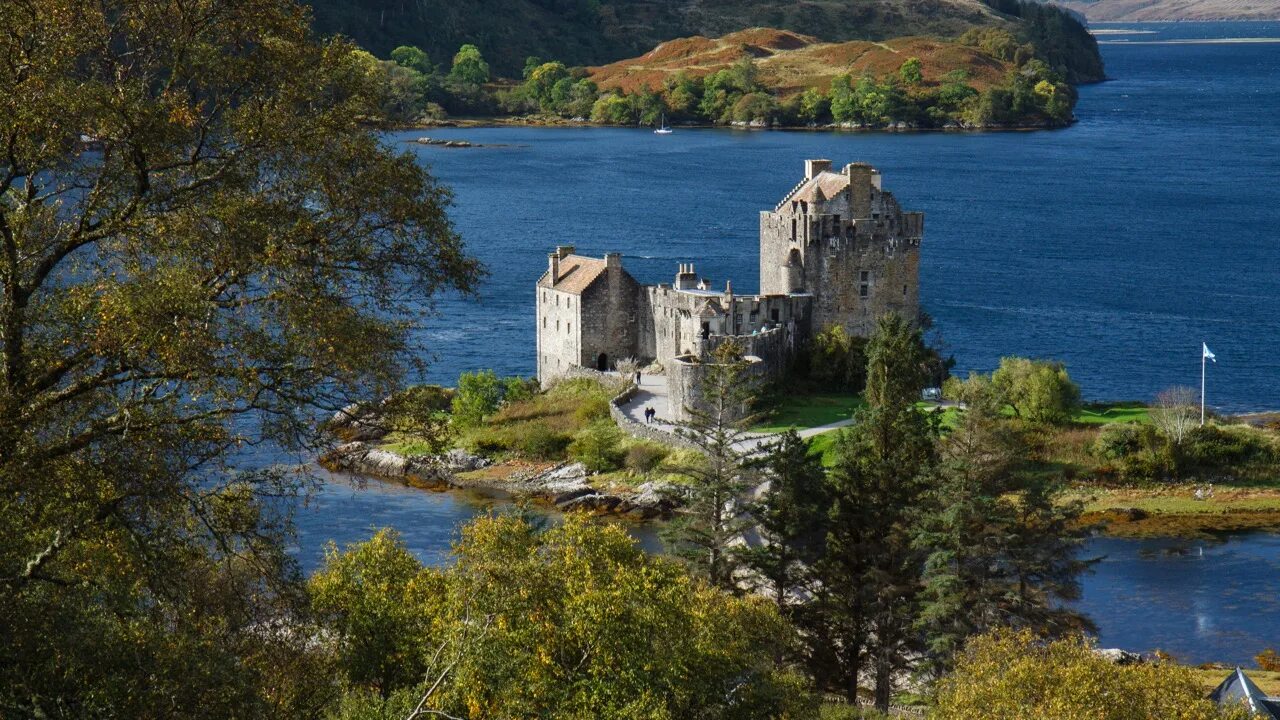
{"type": "Point", "coordinates": [1116, 245]}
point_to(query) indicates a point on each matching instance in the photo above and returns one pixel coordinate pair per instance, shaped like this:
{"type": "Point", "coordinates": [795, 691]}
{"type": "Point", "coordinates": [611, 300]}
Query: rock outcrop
{"type": "Point", "coordinates": [567, 486]}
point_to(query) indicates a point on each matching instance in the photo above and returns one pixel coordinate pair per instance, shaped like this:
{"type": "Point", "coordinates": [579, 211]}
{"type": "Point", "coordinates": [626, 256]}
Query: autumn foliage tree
{"type": "Point", "coordinates": [201, 247]}
{"type": "Point", "coordinates": [1013, 675]}
{"type": "Point", "coordinates": [573, 622]}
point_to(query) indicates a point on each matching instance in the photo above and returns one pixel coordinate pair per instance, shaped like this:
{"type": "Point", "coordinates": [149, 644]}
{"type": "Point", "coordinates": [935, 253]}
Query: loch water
{"type": "Point", "coordinates": [1117, 245]}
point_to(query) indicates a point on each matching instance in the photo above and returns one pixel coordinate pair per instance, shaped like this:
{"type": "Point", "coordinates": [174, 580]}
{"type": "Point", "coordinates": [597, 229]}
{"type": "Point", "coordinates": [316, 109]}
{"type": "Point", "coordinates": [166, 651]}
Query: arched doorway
{"type": "Point", "coordinates": [602, 362]}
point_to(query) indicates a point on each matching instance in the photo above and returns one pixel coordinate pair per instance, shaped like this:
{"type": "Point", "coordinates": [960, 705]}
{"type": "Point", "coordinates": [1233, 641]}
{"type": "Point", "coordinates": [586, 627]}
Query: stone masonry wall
{"type": "Point", "coordinates": [558, 327]}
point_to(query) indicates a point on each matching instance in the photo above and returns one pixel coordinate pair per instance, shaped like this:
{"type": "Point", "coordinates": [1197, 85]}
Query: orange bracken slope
{"type": "Point", "coordinates": [789, 62]}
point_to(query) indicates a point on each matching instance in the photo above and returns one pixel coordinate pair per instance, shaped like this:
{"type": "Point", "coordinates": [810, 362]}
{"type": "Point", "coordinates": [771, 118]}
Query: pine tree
{"type": "Point", "coordinates": [1001, 551]}
{"type": "Point", "coordinates": [870, 572]}
{"type": "Point", "coordinates": [790, 518]}
{"type": "Point", "coordinates": [712, 517]}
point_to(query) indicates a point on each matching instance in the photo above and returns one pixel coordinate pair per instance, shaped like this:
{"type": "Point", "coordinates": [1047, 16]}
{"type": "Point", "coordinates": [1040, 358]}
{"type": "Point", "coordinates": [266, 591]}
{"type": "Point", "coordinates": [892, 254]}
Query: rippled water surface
{"type": "Point", "coordinates": [1116, 245]}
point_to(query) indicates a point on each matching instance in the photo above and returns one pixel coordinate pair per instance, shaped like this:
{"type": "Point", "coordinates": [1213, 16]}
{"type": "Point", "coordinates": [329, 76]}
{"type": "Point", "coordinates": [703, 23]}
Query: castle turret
{"type": "Point", "coordinates": [860, 188]}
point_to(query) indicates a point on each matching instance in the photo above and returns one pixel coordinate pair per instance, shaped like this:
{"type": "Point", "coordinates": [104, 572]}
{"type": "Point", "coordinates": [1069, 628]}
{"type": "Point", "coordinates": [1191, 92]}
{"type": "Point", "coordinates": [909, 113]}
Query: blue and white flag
{"type": "Point", "coordinates": [1208, 354]}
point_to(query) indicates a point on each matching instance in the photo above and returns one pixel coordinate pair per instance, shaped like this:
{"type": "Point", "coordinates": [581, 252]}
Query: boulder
{"type": "Point", "coordinates": [358, 421]}
{"type": "Point", "coordinates": [1120, 657]}
{"type": "Point", "coordinates": [459, 460]}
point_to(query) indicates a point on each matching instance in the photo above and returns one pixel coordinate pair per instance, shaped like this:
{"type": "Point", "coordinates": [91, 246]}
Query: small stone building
{"type": "Point", "coordinates": [836, 250]}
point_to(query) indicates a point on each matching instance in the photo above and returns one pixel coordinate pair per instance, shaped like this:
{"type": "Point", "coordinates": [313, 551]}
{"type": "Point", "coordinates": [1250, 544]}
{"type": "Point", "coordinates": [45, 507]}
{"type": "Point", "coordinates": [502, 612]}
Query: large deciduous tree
{"type": "Point", "coordinates": [573, 622]}
{"type": "Point", "coordinates": [200, 245]}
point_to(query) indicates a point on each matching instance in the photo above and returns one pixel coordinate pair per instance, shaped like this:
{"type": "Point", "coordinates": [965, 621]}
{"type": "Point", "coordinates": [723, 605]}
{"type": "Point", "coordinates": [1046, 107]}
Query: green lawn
{"type": "Point", "coordinates": [810, 410]}
{"type": "Point", "coordinates": [1103, 414]}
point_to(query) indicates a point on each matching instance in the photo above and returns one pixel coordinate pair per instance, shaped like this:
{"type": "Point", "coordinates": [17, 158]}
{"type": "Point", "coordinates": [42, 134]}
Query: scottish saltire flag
{"type": "Point", "coordinates": [1208, 354]}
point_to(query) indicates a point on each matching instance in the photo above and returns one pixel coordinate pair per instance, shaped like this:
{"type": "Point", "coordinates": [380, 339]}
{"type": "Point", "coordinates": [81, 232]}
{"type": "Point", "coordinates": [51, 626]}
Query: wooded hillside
{"type": "Point", "coordinates": [595, 32]}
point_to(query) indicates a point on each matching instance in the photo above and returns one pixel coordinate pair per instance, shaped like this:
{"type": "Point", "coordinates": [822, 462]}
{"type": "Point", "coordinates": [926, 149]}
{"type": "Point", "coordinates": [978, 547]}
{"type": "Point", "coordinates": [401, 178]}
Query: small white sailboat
{"type": "Point", "coordinates": [663, 129]}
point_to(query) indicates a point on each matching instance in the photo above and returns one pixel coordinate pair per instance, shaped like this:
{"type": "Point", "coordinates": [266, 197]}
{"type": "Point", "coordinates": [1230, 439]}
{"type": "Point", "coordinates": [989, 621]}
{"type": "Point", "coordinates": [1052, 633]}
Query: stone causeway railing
{"type": "Point", "coordinates": [654, 433]}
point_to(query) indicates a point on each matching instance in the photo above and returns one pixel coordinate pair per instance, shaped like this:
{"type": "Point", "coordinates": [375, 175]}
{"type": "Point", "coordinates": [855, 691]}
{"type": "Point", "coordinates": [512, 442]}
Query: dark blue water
{"type": "Point", "coordinates": [1116, 245]}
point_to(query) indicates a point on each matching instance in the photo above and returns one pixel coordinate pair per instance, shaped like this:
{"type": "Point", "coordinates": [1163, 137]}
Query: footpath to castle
{"type": "Point", "coordinates": [652, 393]}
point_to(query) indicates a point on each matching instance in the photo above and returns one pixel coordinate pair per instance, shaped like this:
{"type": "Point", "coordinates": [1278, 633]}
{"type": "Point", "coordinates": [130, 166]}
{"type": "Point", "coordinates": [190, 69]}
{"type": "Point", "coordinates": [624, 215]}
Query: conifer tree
{"type": "Point", "coordinates": [1001, 551]}
{"type": "Point", "coordinates": [790, 518]}
{"type": "Point", "coordinates": [871, 568]}
{"type": "Point", "coordinates": [712, 517]}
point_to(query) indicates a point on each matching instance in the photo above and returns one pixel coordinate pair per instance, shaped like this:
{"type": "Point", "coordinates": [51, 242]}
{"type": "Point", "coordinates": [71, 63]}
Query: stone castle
{"type": "Point", "coordinates": [837, 250]}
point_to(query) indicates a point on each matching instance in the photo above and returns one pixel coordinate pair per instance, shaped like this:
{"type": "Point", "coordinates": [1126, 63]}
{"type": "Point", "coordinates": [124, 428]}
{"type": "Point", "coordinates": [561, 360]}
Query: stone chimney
{"type": "Point", "coordinates": [812, 168]}
{"type": "Point", "coordinates": [564, 251]}
{"type": "Point", "coordinates": [613, 261]}
{"type": "Point", "coordinates": [686, 278]}
{"type": "Point", "coordinates": [553, 266]}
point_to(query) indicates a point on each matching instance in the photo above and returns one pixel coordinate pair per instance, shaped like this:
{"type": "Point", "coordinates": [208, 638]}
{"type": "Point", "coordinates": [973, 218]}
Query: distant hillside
{"type": "Point", "coordinates": [1154, 10]}
{"type": "Point", "coordinates": [788, 63]}
{"type": "Point", "coordinates": [594, 32]}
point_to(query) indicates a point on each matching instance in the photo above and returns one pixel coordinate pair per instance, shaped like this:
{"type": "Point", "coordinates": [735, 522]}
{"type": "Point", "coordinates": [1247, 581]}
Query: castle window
{"type": "Point", "coordinates": [904, 291]}
{"type": "Point", "coordinates": [544, 323]}
{"type": "Point", "coordinates": [773, 314]}
{"type": "Point", "coordinates": [864, 276]}
{"type": "Point", "coordinates": [557, 326]}
{"type": "Point", "coordinates": [793, 229]}
{"type": "Point", "coordinates": [864, 290]}
{"type": "Point", "coordinates": [557, 301]}
{"type": "Point", "coordinates": [835, 243]}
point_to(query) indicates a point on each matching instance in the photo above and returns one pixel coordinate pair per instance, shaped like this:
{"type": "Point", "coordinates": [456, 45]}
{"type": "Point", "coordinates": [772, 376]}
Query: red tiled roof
{"type": "Point", "coordinates": [576, 274]}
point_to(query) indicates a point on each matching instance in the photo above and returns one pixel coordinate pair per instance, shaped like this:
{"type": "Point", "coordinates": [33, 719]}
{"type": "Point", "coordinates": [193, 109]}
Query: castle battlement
{"type": "Point", "coordinates": [837, 250]}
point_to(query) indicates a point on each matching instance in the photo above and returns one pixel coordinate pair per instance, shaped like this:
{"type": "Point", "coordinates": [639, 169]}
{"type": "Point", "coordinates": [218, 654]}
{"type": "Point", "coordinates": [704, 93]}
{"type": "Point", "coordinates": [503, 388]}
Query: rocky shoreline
{"type": "Point", "coordinates": [532, 121]}
{"type": "Point", "coordinates": [567, 486]}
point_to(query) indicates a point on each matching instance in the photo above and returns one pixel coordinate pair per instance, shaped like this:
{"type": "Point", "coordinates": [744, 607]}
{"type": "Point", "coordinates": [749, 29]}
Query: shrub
{"type": "Point", "coordinates": [477, 397]}
{"type": "Point", "coordinates": [1120, 440]}
{"type": "Point", "coordinates": [1268, 660]}
{"type": "Point", "coordinates": [598, 446]}
{"type": "Point", "coordinates": [1037, 390]}
{"type": "Point", "coordinates": [1214, 446]}
{"type": "Point", "coordinates": [518, 389]}
{"type": "Point", "coordinates": [592, 409]}
{"type": "Point", "coordinates": [1008, 676]}
{"type": "Point", "coordinates": [645, 457]}
{"type": "Point", "coordinates": [540, 442]}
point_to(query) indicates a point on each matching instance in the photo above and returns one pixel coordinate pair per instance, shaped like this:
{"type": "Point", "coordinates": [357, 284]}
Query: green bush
{"type": "Point", "coordinates": [1214, 447]}
{"type": "Point", "coordinates": [1120, 440]}
{"type": "Point", "coordinates": [476, 398]}
{"type": "Point", "coordinates": [518, 389]}
{"type": "Point", "coordinates": [1037, 390]}
{"type": "Point", "coordinates": [645, 457]}
{"type": "Point", "coordinates": [598, 446]}
{"type": "Point", "coordinates": [540, 442]}
{"type": "Point", "coordinates": [592, 409]}
{"type": "Point", "coordinates": [485, 441]}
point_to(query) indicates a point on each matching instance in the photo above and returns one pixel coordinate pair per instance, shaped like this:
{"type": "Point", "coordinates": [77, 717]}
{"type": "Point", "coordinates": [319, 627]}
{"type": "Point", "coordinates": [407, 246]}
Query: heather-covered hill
{"type": "Point", "coordinates": [595, 32]}
{"type": "Point", "coordinates": [788, 63]}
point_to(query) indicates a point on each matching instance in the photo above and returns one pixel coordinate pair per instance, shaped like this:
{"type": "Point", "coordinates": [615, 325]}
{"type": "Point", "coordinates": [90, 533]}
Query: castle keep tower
{"type": "Point", "coordinates": [840, 237]}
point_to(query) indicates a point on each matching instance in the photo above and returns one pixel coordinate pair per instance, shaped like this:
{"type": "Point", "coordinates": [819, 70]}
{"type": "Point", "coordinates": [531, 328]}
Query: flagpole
{"type": "Point", "coordinates": [1202, 359]}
